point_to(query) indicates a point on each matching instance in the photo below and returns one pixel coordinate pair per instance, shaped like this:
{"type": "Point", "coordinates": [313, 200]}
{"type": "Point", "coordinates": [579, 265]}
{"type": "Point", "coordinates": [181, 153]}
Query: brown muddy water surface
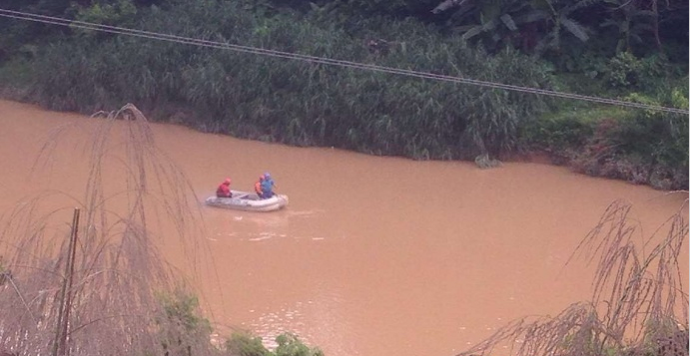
{"type": "Point", "coordinates": [374, 256]}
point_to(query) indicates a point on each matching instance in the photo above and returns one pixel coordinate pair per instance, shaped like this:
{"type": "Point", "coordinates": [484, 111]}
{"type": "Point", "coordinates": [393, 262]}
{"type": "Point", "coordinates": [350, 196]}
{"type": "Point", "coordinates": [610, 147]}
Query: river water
{"type": "Point", "coordinates": [374, 255]}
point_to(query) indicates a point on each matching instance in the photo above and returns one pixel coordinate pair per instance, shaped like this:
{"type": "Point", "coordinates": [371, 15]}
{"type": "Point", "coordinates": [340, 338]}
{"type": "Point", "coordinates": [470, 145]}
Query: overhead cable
{"type": "Point", "coordinates": [321, 60]}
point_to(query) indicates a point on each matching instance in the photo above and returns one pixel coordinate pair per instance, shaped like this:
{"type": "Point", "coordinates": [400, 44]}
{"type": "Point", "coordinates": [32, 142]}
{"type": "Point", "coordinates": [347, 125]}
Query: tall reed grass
{"type": "Point", "coordinates": [295, 102]}
{"type": "Point", "coordinates": [639, 305]}
{"type": "Point", "coordinates": [102, 287]}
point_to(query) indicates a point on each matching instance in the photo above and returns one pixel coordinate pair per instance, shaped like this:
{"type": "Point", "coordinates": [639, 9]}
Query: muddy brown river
{"type": "Point", "coordinates": [374, 255]}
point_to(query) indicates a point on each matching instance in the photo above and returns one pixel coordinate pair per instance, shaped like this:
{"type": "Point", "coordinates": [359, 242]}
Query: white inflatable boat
{"type": "Point", "coordinates": [248, 201]}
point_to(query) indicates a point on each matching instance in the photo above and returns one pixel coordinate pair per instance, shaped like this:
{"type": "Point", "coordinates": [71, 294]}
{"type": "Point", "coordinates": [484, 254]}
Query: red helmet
{"type": "Point", "coordinates": [227, 181]}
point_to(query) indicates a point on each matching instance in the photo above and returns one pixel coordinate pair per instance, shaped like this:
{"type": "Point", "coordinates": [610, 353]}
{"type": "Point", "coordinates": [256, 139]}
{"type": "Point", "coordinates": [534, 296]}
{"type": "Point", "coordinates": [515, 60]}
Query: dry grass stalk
{"type": "Point", "coordinates": [639, 305]}
{"type": "Point", "coordinates": [119, 276]}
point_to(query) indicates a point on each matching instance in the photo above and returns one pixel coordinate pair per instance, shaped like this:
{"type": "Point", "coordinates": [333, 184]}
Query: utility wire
{"type": "Point", "coordinates": [321, 60]}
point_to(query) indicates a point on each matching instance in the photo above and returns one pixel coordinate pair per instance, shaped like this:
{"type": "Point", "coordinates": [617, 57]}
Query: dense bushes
{"type": "Point", "coordinates": [300, 103]}
{"type": "Point", "coordinates": [643, 147]}
{"type": "Point", "coordinates": [243, 344]}
{"type": "Point", "coordinates": [296, 102]}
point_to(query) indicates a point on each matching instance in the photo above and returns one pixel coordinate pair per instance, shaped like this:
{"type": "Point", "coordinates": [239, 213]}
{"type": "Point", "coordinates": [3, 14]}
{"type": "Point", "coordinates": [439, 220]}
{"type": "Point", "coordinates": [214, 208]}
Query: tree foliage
{"type": "Point", "coordinates": [296, 102]}
{"type": "Point", "coordinates": [545, 44]}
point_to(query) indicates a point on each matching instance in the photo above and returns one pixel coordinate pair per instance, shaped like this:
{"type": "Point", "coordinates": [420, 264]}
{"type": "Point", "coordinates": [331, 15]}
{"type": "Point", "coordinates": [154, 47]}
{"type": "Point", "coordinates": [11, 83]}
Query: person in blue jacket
{"type": "Point", "coordinates": [267, 186]}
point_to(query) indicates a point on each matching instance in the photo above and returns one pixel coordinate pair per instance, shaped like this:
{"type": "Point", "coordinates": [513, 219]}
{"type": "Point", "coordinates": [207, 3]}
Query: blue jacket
{"type": "Point", "coordinates": [267, 187]}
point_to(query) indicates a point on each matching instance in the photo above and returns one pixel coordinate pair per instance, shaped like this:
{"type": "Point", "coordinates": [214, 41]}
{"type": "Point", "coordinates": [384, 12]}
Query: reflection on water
{"type": "Point", "coordinates": [373, 256]}
{"type": "Point", "coordinates": [323, 309]}
{"type": "Point", "coordinates": [253, 226]}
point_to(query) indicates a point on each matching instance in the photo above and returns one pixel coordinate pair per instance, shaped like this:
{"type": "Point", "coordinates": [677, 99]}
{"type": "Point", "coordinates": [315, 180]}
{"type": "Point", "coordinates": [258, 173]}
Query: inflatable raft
{"type": "Point", "coordinates": [248, 202]}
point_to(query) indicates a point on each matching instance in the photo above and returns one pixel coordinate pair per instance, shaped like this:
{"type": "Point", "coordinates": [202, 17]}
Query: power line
{"type": "Point", "coordinates": [321, 60]}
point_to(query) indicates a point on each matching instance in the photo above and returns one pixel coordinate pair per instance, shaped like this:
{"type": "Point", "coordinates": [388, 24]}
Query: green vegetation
{"type": "Point", "coordinates": [643, 147]}
{"type": "Point", "coordinates": [589, 47]}
{"type": "Point", "coordinates": [632, 50]}
{"type": "Point", "coordinates": [243, 344]}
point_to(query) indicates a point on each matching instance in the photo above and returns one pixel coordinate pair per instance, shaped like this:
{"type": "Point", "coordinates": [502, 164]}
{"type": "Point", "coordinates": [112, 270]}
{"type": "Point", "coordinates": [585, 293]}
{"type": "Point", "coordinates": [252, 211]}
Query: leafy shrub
{"type": "Point", "coordinates": [295, 102]}
{"type": "Point", "coordinates": [290, 345]}
{"type": "Point", "coordinates": [642, 147]}
{"type": "Point", "coordinates": [623, 70]}
{"type": "Point", "coordinates": [119, 13]}
{"type": "Point", "coordinates": [183, 310]}
{"type": "Point", "coordinates": [243, 344]}
{"type": "Point", "coordinates": [649, 74]}
{"type": "Point", "coordinates": [181, 324]}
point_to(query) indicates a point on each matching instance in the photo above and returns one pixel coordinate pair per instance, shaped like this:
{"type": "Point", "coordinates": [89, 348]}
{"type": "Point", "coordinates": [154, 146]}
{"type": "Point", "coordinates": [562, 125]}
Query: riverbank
{"type": "Point", "coordinates": [589, 144]}
{"type": "Point", "coordinates": [309, 104]}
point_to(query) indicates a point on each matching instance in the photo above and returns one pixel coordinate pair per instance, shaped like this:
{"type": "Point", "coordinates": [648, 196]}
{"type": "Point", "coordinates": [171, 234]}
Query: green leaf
{"type": "Point", "coordinates": [575, 28]}
{"type": "Point", "coordinates": [479, 29]}
{"type": "Point", "coordinates": [508, 21]}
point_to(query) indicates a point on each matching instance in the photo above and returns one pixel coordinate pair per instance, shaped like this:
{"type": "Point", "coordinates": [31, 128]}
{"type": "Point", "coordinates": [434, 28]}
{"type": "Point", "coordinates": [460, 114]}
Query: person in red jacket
{"type": "Point", "coordinates": [257, 186]}
{"type": "Point", "coordinates": [224, 189]}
